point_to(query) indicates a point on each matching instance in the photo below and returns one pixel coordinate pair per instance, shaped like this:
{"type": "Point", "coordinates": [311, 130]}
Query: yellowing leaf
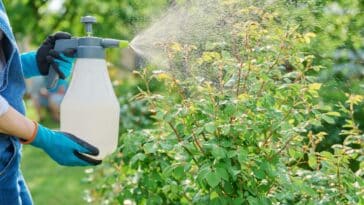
{"type": "Point", "coordinates": [308, 36]}
{"type": "Point", "coordinates": [214, 195]}
{"type": "Point", "coordinates": [244, 97]}
{"type": "Point", "coordinates": [321, 134]}
{"type": "Point", "coordinates": [209, 57]}
{"type": "Point", "coordinates": [335, 114]}
{"type": "Point", "coordinates": [291, 121]}
{"type": "Point", "coordinates": [312, 161]}
{"type": "Point", "coordinates": [163, 76]}
{"type": "Point", "coordinates": [355, 99]}
{"type": "Point", "coordinates": [176, 47]}
{"type": "Point", "coordinates": [313, 89]}
{"type": "Point", "coordinates": [314, 86]}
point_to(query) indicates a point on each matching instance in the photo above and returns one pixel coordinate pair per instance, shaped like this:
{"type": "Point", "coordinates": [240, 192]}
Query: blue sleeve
{"type": "Point", "coordinates": [29, 64]}
{"type": "Point", "coordinates": [2, 5]}
{"type": "Point", "coordinates": [4, 106]}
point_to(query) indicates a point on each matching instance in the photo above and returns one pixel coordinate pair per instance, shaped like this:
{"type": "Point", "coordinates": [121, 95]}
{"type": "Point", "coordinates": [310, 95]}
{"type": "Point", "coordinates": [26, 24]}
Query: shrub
{"type": "Point", "coordinates": [235, 126]}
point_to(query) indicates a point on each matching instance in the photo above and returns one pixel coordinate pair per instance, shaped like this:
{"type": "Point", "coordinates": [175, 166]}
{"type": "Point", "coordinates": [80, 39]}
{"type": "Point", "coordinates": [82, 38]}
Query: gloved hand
{"type": "Point", "coordinates": [64, 148]}
{"type": "Point", "coordinates": [38, 63]}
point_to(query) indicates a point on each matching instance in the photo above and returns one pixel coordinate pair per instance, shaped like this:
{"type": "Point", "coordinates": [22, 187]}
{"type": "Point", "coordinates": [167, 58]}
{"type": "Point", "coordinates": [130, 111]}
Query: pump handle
{"type": "Point", "coordinates": [61, 46]}
{"type": "Point", "coordinates": [52, 79]}
{"type": "Point", "coordinates": [88, 21]}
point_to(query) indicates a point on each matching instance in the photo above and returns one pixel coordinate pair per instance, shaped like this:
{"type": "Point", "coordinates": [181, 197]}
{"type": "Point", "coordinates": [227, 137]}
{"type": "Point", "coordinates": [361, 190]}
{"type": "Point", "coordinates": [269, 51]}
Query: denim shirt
{"type": "Point", "coordinates": [12, 84]}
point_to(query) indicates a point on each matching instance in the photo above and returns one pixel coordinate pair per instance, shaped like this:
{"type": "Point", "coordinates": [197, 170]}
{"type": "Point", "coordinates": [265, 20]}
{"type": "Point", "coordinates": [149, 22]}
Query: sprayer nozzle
{"type": "Point", "coordinates": [109, 43]}
{"type": "Point", "coordinates": [123, 44]}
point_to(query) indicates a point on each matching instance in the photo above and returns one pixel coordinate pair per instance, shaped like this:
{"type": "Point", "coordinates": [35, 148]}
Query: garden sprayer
{"type": "Point", "coordinates": [90, 109]}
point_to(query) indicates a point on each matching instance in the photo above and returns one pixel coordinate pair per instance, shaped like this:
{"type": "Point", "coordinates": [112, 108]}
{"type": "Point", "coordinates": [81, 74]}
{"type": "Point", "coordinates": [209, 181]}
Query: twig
{"type": "Point", "coordinates": [286, 144]}
{"type": "Point", "coordinates": [180, 139]}
{"type": "Point", "coordinates": [247, 47]}
{"type": "Point", "coordinates": [204, 136]}
{"type": "Point", "coordinates": [240, 61]}
{"type": "Point", "coordinates": [239, 79]}
{"type": "Point", "coordinates": [197, 143]}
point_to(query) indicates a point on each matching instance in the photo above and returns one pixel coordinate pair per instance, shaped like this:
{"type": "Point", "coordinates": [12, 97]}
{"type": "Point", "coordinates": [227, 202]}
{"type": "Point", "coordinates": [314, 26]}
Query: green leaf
{"type": "Point", "coordinates": [327, 155]}
{"type": "Point", "coordinates": [150, 148]}
{"type": "Point", "coordinates": [308, 190]}
{"type": "Point", "coordinates": [312, 161]}
{"type": "Point", "coordinates": [167, 171]}
{"type": "Point", "coordinates": [253, 201]}
{"type": "Point", "coordinates": [259, 173]}
{"type": "Point", "coordinates": [159, 115]}
{"type": "Point", "coordinates": [218, 152]}
{"type": "Point", "coordinates": [180, 128]}
{"type": "Point", "coordinates": [137, 157]}
{"type": "Point", "coordinates": [210, 127]}
{"type": "Point", "coordinates": [231, 153]}
{"type": "Point", "coordinates": [179, 172]}
{"type": "Point", "coordinates": [238, 201]}
{"type": "Point", "coordinates": [328, 119]}
{"type": "Point", "coordinates": [214, 195]}
{"type": "Point", "coordinates": [213, 179]}
{"type": "Point", "coordinates": [225, 130]}
{"type": "Point", "coordinates": [264, 201]}
{"type": "Point", "coordinates": [243, 155]}
{"type": "Point", "coordinates": [221, 171]}
{"type": "Point", "coordinates": [228, 188]}
{"type": "Point", "coordinates": [233, 172]}
{"type": "Point", "coordinates": [294, 153]}
{"type": "Point", "coordinates": [166, 145]}
{"type": "Point", "coordinates": [203, 172]}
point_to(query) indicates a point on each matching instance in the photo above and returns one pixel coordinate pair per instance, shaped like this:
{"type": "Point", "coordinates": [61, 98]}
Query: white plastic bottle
{"type": "Point", "coordinates": [90, 110]}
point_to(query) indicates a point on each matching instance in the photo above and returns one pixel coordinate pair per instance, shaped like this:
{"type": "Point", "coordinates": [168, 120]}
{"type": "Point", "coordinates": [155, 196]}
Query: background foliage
{"type": "Point", "coordinates": [32, 21]}
{"type": "Point", "coordinates": [279, 123]}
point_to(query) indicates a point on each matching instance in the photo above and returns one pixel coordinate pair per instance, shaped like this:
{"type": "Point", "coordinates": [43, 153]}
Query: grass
{"type": "Point", "coordinates": [50, 183]}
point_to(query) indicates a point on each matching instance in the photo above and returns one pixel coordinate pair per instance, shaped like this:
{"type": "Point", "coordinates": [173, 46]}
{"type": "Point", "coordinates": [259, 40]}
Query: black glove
{"type": "Point", "coordinates": [46, 55]}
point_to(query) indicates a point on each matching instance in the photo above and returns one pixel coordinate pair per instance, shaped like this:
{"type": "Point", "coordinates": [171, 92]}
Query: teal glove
{"type": "Point", "coordinates": [64, 148]}
{"type": "Point", "coordinates": [62, 63]}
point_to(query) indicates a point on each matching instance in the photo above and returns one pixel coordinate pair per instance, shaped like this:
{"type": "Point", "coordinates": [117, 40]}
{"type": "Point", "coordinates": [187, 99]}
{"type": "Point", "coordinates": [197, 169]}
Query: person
{"type": "Point", "coordinates": [17, 130]}
{"type": "Point", "coordinates": [42, 98]}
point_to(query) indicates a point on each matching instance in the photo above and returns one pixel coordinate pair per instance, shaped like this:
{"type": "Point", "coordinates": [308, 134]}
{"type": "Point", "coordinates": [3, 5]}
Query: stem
{"type": "Point", "coordinates": [239, 79]}
{"type": "Point", "coordinates": [338, 175]}
{"type": "Point", "coordinates": [186, 61]}
{"type": "Point", "coordinates": [247, 48]}
{"type": "Point", "coordinates": [351, 115]}
{"type": "Point", "coordinates": [247, 75]}
{"type": "Point", "coordinates": [179, 89]}
{"type": "Point", "coordinates": [285, 144]}
{"type": "Point", "coordinates": [260, 91]}
{"type": "Point", "coordinates": [204, 136]}
{"type": "Point", "coordinates": [180, 139]}
{"type": "Point", "coordinates": [268, 137]}
{"type": "Point", "coordinates": [148, 92]}
{"type": "Point", "coordinates": [240, 61]}
{"type": "Point", "coordinates": [197, 143]}
{"type": "Point", "coordinates": [221, 78]}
